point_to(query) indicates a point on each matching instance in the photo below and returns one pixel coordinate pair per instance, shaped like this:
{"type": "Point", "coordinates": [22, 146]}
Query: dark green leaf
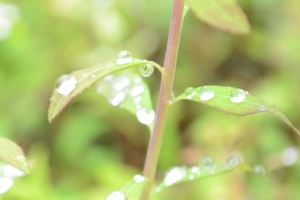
{"type": "Point", "coordinates": [68, 86]}
{"type": "Point", "coordinates": [232, 100]}
{"type": "Point", "coordinates": [12, 154]}
{"type": "Point", "coordinates": [223, 14]}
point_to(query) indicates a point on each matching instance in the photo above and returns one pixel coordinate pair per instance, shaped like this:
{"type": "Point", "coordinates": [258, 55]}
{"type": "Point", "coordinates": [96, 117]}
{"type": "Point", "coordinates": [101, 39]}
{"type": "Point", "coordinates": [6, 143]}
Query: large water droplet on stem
{"type": "Point", "coordinates": [65, 84]}
{"type": "Point", "coordinates": [124, 57]}
{"type": "Point", "coordinates": [146, 70]}
{"type": "Point", "coordinates": [232, 162]}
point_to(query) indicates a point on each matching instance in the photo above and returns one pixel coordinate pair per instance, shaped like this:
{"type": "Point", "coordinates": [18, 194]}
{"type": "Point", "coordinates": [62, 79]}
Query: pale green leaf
{"type": "Point", "coordinates": [12, 154]}
{"type": "Point", "coordinates": [127, 90]}
{"type": "Point", "coordinates": [205, 168]}
{"type": "Point", "coordinates": [232, 100]}
{"type": "Point", "coordinates": [82, 79]}
{"type": "Point", "coordinates": [222, 14]}
{"type": "Point", "coordinates": [132, 190]}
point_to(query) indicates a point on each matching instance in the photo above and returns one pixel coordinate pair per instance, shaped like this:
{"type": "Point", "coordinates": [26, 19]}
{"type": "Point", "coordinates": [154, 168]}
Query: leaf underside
{"type": "Point", "coordinates": [222, 14]}
{"type": "Point", "coordinates": [136, 92]}
{"type": "Point", "coordinates": [223, 99]}
{"type": "Point", "coordinates": [85, 78]}
{"type": "Point", "coordinates": [12, 154]}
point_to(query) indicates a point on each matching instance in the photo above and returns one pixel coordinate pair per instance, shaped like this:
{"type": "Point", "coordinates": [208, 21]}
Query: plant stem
{"type": "Point", "coordinates": [164, 95]}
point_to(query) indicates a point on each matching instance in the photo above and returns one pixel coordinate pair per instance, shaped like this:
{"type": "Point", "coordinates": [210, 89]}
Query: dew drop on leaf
{"type": "Point", "coordinates": [146, 70]}
{"type": "Point", "coordinates": [238, 96]}
{"type": "Point", "coordinates": [5, 184]}
{"type": "Point", "coordinates": [206, 161]}
{"type": "Point", "coordinates": [117, 99]}
{"type": "Point", "coordinates": [138, 178]}
{"type": "Point", "coordinates": [65, 84]}
{"type": "Point", "coordinates": [124, 57]}
{"type": "Point", "coordinates": [116, 195]}
{"type": "Point", "coordinates": [232, 162]}
{"type": "Point", "coordinates": [190, 92]}
{"type": "Point", "coordinates": [145, 115]}
{"type": "Point", "coordinates": [206, 94]}
{"type": "Point", "coordinates": [137, 90]}
{"type": "Point", "coordinates": [259, 169]}
{"type": "Point", "coordinates": [11, 171]}
{"type": "Point", "coordinates": [174, 175]}
{"type": "Point", "coordinates": [121, 83]}
{"type": "Point", "coordinates": [289, 156]}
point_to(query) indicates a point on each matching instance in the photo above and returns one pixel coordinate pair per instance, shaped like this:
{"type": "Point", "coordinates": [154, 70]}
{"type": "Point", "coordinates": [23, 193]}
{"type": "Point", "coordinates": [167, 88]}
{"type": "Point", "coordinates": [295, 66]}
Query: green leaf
{"type": "Point", "coordinates": [68, 86]}
{"type": "Point", "coordinates": [205, 168]}
{"type": "Point", "coordinates": [12, 154]}
{"type": "Point", "coordinates": [222, 14]}
{"type": "Point", "coordinates": [232, 100]}
{"type": "Point", "coordinates": [127, 90]}
{"type": "Point", "coordinates": [131, 190]}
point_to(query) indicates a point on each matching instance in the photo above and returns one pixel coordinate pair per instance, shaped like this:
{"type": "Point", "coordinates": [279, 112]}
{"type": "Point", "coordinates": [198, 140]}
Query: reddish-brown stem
{"type": "Point", "coordinates": [164, 95]}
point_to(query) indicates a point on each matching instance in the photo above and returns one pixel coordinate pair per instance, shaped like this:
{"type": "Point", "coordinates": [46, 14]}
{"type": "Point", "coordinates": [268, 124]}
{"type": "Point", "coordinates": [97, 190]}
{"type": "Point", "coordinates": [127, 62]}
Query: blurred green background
{"type": "Point", "coordinates": [93, 148]}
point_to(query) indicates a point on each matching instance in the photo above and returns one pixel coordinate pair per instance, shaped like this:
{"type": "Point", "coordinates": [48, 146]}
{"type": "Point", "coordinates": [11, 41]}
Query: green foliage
{"type": "Point", "coordinates": [12, 154]}
{"type": "Point", "coordinates": [232, 100]}
{"type": "Point", "coordinates": [222, 14]}
{"type": "Point", "coordinates": [81, 80]}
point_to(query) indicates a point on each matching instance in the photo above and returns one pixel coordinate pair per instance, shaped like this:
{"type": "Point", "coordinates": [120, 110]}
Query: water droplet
{"type": "Point", "coordinates": [121, 83]}
{"type": "Point", "coordinates": [11, 171]}
{"type": "Point", "coordinates": [5, 184]}
{"type": "Point", "coordinates": [145, 115]}
{"type": "Point", "coordinates": [138, 178]}
{"type": "Point", "coordinates": [289, 156]}
{"type": "Point", "coordinates": [84, 75]}
{"type": "Point", "coordinates": [206, 161]}
{"type": "Point", "coordinates": [137, 80]}
{"type": "Point", "coordinates": [138, 99]}
{"type": "Point", "coordinates": [124, 57]}
{"type": "Point", "coordinates": [207, 165]}
{"type": "Point", "coordinates": [93, 76]}
{"type": "Point", "coordinates": [190, 92]}
{"type": "Point", "coordinates": [65, 84]}
{"type": "Point", "coordinates": [259, 169]}
{"type": "Point", "coordinates": [206, 94]}
{"type": "Point", "coordinates": [195, 170]}
{"type": "Point", "coordinates": [137, 90]}
{"type": "Point", "coordinates": [238, 96]}
{"type": "Point", "coordinates": [146, 70]}
{"type": "Point", "coordinates": [174, 175]}
{"type": "Point", "coordinates": [117, 99]}
{"type": "Point", "coordinates": [116, 195]}
{"type": "Point", "coordinates": [232, 162]}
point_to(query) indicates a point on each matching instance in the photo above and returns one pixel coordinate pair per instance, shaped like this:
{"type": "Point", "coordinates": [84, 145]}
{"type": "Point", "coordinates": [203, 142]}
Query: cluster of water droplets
{"type": "Point", "coordinates": [205, 167]}
{"type": "Point", "coordinates": [203, 93]}
{"type": "Point", "coordinates": [7, 175]}
{"type": "Point", "coordinates": [207, 93]}
{"type": "Point", "coordinates": [65, 84]}
{"type": "Point", "coordinates": [127, 88]}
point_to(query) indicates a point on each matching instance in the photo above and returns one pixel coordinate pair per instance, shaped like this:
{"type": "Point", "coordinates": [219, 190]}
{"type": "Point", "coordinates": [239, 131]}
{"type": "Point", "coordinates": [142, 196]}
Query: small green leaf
{"type": "Point", "coordinates": [131, 190]}
{"type": "Point", "coordinates": [232, 100]}
{"type": "Point", "coordinates": [127, 90]}
{"type": "Point", "coordinates": [205, 168]}
{"type": "Point", "coordinates": [223, 14]}
{"type": "Point", "coordinates": [68, 86]}
{"type": "Point", "coordinates": [12, 154]}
